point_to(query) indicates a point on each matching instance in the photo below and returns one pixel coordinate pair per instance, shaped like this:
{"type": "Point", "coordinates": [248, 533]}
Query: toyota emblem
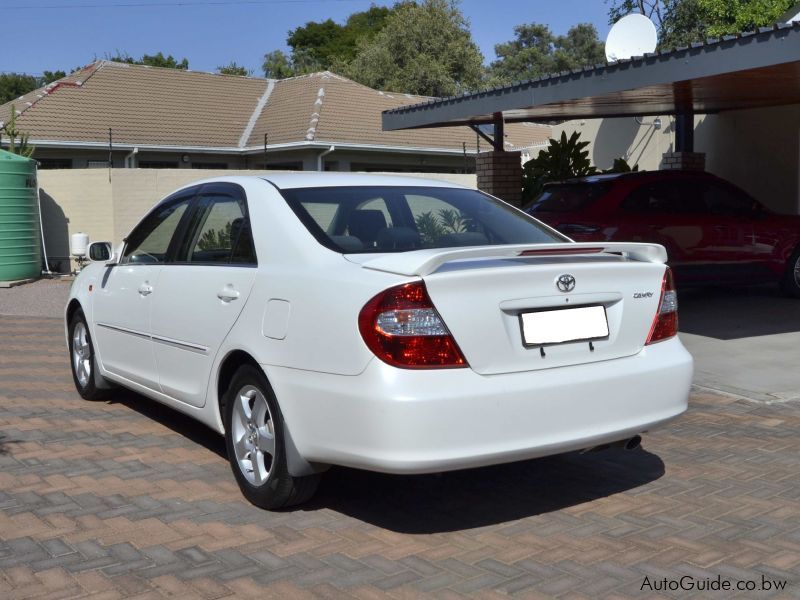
{"type": "Point", "coordinates": [565, 283]}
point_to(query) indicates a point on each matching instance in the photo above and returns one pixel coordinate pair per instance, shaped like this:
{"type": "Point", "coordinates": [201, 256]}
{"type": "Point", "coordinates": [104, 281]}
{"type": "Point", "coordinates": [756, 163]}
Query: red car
{"type": "Point", "coordinates": [714, 232]}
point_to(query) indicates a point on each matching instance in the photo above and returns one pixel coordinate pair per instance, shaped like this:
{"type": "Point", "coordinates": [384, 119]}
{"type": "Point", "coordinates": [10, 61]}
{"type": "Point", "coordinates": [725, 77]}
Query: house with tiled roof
{"type": "Point", "coordinates": [148, 117]}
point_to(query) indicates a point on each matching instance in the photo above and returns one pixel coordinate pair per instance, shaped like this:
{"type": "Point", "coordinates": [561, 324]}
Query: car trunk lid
{"type": "Point", "coordinates": [482, 294]}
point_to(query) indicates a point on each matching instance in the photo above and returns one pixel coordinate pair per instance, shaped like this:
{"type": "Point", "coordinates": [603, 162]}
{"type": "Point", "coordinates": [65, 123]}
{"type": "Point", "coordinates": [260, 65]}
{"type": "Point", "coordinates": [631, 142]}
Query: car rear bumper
{"type": "Point", "coordinates": [410, 421]}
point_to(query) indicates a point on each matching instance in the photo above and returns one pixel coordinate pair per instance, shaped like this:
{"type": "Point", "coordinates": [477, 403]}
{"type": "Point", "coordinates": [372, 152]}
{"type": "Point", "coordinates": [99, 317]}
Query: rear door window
{"type": "Point", "coordinates": [219, 231]}
{"type": "Point", "coordinates": [721, 199]}
{"type": "Point", "coordinates": [666, 198]}
{"type": "Point", "coordinates": [568, 197]}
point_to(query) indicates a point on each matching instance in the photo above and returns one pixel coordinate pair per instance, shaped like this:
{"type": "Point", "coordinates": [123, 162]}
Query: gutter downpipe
{"type": "Point", "coordinates": [322, 155]}
{"type": "Point", "coordinates": [46, 270]}
{"type": "Point", "coordinates": [130, 158]}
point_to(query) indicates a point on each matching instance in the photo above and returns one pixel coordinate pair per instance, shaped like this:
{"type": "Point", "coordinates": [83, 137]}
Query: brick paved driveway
{"type": "Point", "coordinates": [127, 499]}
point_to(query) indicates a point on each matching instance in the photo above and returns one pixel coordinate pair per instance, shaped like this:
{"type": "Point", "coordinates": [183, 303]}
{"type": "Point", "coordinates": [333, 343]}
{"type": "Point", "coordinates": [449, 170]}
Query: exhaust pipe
{"type": "Point", "coordinates": [629, 444]}
{"type": "Point", "coordinates": [633, 443]}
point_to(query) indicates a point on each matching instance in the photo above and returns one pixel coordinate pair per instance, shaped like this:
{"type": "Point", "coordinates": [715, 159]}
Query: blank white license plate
{"type": "Point", "coordinates": [564, 325]}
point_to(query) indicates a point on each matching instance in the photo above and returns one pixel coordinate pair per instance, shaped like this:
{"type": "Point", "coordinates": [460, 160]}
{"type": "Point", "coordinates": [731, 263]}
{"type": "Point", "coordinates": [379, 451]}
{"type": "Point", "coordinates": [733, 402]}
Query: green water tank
{"type": "Point", "coordinates": [20, 241]}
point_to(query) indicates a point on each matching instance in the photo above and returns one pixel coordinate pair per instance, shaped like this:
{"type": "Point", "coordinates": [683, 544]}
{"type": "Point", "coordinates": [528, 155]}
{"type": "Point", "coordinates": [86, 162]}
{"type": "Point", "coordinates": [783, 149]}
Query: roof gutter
{"type": "Point", "coordinates": [323, 154]}
{"type": "Point", "coordinates": [305, 145]}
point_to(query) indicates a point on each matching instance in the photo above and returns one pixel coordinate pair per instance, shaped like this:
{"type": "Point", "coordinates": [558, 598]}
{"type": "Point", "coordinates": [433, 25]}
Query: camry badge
{"type": "Point", "coordinates": [565, 283]}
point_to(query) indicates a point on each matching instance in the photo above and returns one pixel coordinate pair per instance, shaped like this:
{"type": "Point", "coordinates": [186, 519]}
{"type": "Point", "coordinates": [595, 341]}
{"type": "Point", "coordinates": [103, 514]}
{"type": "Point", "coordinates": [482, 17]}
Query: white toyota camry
{"type": "Point", "coordinates": [386, 323]}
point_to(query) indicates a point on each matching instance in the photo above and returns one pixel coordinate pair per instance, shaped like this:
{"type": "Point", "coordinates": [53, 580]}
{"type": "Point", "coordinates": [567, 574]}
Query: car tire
{"type": "Point", "coordinates": [82, 359]}
{"type": "Point", "coordinates": [256, 443]}
{"type": "Point", "coordinates": [790, 284]}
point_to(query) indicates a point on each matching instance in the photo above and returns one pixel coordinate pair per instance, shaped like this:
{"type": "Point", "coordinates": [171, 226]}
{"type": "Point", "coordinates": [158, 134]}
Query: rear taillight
{"type": "Point", "coordinates": [401, 326]}
{"type": "Point", "coordinates": [665, 324]}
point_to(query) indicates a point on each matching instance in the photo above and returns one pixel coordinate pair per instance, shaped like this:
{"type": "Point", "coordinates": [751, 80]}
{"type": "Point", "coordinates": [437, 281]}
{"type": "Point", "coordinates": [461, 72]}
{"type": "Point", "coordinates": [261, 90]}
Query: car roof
{"type": "Point", "coordinates": [311, 179]}
{"type": "Point", "coordinates": [664, 174]}
{"type": "Point", "coordinates": [306, 179]}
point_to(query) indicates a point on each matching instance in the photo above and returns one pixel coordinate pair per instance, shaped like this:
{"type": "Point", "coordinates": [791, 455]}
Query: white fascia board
{"type": "Point", "coordinates": [315, 145]}
{"type": "Point", "coordinates": [142, 147]}
{"type": "Point", "coordinates": [318, 144]}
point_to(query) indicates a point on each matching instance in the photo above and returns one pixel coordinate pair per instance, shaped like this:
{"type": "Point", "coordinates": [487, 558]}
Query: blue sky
{"type": "Point", "coordinates": [43, 35]}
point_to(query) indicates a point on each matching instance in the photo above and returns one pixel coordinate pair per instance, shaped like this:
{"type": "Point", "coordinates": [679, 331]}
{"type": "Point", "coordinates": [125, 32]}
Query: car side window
{"type": "Point", "coordinates": [665, 198]}
{"type": "Point", "coordinates": [650, 199]}
{"type": "Point", "coordinates": [150, 240]}
{"type": "Point", "coordinates": [721, 199]}
{"type": "Point", "coordinates": [220, 232]}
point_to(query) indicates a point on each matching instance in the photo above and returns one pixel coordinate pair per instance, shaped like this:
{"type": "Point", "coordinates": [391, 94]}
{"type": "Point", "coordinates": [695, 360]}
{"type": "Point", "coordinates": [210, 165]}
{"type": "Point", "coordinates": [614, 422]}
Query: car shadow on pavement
{"type": "Point", "coordinates": [452, 501]}
{"type": "Point", "coordinates": [473, 498]}
{"type": "Point", "coordinates": [178, 422]}
{"type": "Point", "coordinates": [729, 313]}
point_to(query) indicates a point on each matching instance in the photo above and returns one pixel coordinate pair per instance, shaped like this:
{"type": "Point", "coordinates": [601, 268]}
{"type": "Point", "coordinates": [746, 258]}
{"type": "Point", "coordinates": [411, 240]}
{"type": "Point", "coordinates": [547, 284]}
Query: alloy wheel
{"type": "Point", "coordinates": [797, 271]}
{"type": "Point", "coordinates": [81, 354]}
{"type": "Point", "coordinates": [253, 432]}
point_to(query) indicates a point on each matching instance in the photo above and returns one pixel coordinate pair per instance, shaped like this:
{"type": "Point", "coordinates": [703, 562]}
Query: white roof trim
{"type": "Point", "coordinates": [262, 102]}
{"type": "Point", "coordinates": [317, 144]}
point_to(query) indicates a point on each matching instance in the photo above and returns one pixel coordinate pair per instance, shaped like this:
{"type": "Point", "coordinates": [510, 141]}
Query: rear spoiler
{"type": "Point", "coordinates": [425, 262]}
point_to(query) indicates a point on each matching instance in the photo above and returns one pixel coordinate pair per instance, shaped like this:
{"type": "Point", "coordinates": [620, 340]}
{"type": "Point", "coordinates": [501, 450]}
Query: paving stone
{"type": "Point", "coordinates": [128, 499]}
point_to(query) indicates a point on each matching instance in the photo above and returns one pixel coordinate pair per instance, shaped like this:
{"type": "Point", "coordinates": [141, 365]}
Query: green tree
{"type": "Point", "coordinates": [731, 16]}
{"type": "Point", "coordinates": [14, 85]}
{"type": "Point", "coordinates": [536, 51]}
{"type": "Point", "coordinates": [18, 141]}
{"type": "Point", "coordinates": [681, 22]}
{"type": "Point", "coordinates": [277, 65]}
{"type": "Point", "coordinates": [152, 60]}
{"type": "Point", "coordinates": [317, 46]}
{"type": "Point", "coordinates": [234, 69]}
{"type": "Point", "coordinates": [424, 48]}
{"type": "Point", "coordinates": [51, 76]}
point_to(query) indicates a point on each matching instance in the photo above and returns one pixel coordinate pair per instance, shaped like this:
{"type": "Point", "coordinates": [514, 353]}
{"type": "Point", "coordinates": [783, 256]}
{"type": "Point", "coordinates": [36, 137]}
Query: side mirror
{"type": "Point", "coordinates": [100, 252]}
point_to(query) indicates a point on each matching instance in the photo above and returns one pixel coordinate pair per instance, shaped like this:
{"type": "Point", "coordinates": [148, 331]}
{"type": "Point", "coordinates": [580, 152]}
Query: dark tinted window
{"type": "Point", "coordinates": [395, 219]}
{"type": "Point", "coordinates": [666, 197]}
{"type": "Point", "coordinates": [149, 242]}
{"type": "Point", "coordinates": [219, 231]}
{"type": "Point", "coordinates": [157, 164]}
{"type": "Point", "coordinates": [568, 197]}
{"type": "Point", "coordinates": [55, 163]}
{"type": "Point", "coordinates": [722, 199]}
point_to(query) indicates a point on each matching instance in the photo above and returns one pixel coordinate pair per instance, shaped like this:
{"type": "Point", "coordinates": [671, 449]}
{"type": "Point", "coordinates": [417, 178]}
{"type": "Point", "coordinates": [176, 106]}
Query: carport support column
{"type": "Point", "coordinates": [500, 172]}
{"type": "Point", "coordinates": [684, 157]}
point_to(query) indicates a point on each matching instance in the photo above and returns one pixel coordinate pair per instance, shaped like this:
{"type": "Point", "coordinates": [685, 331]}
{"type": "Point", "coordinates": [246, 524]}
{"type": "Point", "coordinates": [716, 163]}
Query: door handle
{"type": "Point", "coordinates": [145, 289]}
{"type": "Point", "coordinates": [227, 294]}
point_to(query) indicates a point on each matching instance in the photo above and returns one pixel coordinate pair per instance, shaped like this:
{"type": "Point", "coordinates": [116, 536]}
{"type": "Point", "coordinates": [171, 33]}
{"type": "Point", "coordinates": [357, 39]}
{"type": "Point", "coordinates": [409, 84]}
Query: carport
{"type": "Point", "coordinates": [744, 341]}
{"type": "Point", "coordinates": [734, 74]}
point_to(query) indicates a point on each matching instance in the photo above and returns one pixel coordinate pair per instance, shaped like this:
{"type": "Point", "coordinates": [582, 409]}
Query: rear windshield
{"type": "Point", "coordinates": [568, 197]}
{"type": "Point", "coordinates": [396, 219]}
